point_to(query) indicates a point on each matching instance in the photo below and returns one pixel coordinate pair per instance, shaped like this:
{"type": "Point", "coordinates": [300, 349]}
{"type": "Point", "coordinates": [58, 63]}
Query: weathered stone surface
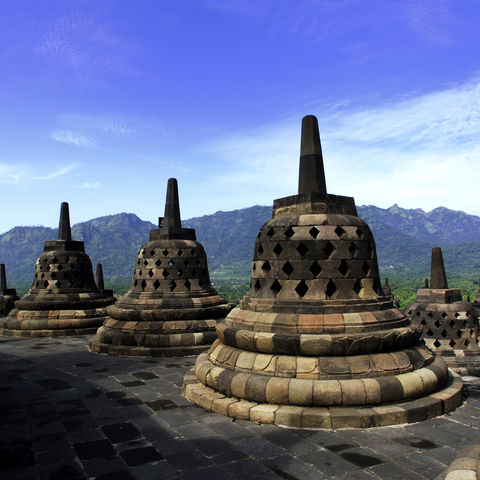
{"type": "Point", "coordinates": [171, 308]}
{"type": "Point", "coordinates": [316, 337]}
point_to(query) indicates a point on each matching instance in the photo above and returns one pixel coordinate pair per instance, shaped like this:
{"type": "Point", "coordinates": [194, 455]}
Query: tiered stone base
{"type": "Point", "coordinates": [155, 338]}
{"type": "Point", "coordinates": [432, 405]}
{"type": "Point", "coordinates": [51, 323]}
{"type": "Point", "coordinates": [463, 362]}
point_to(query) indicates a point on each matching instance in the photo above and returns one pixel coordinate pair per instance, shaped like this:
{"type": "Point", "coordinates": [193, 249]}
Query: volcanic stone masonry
{"type": "Point", "coordinates": [315, 342]}
{"type": "Point", "coordinates": [63, 299]}
{"type": "Point", "coordinates": [7, 295]}
{"type": "Point", "coordinates": [172, 308]}
{"type": "Point", "coordinates": [450, 326]}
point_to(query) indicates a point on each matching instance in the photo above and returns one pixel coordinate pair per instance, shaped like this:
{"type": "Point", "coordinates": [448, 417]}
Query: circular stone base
{"type": "Point", "coordinates": [8, 332]}
{"type": "Point", "coordinates": [136, 351]}
{"type": "Point", "coordinates": [433, 405]}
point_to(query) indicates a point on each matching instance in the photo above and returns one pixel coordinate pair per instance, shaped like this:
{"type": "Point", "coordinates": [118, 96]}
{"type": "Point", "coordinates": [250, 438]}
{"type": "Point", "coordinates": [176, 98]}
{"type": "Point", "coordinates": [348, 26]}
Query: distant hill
{"type": "Point", "coordinates": [404, 239]}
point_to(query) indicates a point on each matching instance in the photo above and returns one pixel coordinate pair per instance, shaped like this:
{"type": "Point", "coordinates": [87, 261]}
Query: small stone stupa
{"type": "Point", "coordinates": [7, 295]}
{"type": "Point", "coordinates": [172, 308]}
{"type": "Point", "coordinates": [476, 304]}
{"type": "Point", "coordinates": [63, 299]}
{"type": "Point", "coordinates": [315, 342]}
{"type": "Point", "coordinates": [450, 327]}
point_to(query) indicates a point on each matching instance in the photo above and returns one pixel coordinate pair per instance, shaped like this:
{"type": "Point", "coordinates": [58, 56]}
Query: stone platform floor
{"type": "Point", "coordinates": [67, 413]}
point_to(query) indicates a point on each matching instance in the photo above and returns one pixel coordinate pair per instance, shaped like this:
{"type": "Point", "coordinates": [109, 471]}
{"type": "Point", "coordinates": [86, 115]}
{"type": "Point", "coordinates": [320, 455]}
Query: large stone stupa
{"type": "Point", "coordinates": [171, 308]}
{"type": "Point", "coordinates": [315, 342]}
{"type": "Point", "coordinates": [450, 326]}
{"type": "Point", "coordinates": [7, 295]}
{"type": "Point", "coordinates": [63, 299]}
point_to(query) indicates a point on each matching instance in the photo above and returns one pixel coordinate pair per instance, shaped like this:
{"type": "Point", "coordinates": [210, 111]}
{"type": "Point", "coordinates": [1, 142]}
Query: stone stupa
{"type": "Point", "coordinates": [63, 299]}
{"type": "Point", "coordinates": [476, 303]}
{"type": "Point", "coordinates": [7, 295]}
{"type": "Point", "coordinates": [315, 342]}
{"type": "Point", "coordinates": [450, 327]}
{"type": "Point", "coordinates": [171, 308]}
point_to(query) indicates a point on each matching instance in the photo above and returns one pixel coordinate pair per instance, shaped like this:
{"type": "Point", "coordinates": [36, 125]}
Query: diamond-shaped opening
{"type": "Point", "coordinates": [302, 249]}
{"type": "Point", "coordinates": [301, 288]}
{"type": "Point", "coordinates": [58, 284]}
{"type": "Point", "coordinates": [366, 268]}
{"type": "Point", "coordinates": [289, 232]}
{"type": "Point", "coordinates": [287, 269]}
{"type": "Point", "coordinates": [180, 253]}
{"type": "Point", "coordinates": [171, 263]}
{"type": "Point", "coordinates": [331, 289]}
{"type": "Point", "coordinates": [457, 314]}
{"type": "Point", "coordinates": [353, 249]}
{"type": "Point", "coordinates": [357, 287]}
{"type": "Point", "coordinates": [436, 343]}
{"type": "Point", "coordinates": [423, 322]}
{"type": "Point", "coordinates": [467, 342]}
{"type": "Point", "coordinates": [429, 332]}
{"type": "Point", "coordinates": [314, 231]}
{"type": "Point", "coordinates": [67, 259]}
{"type": "Point", "coordinates": [156, 284]}
{"type": "Point", "coordinates": [150, 273]}
{"type": "Point", "coordinates": [53, 275]}
{"type": "Point", "coordinates": [266, 266]}
{"type": "Point", "coordinates": [45, 284]}
{"type": "Point", "coordinates": [139, 273]}
{"type": "Point", "coordinates": [339, 231]}
{"type": "Point", "coordinates": [418, 314]}
{"type": "Point", "coordinates": [145, 262]}
{"type": "Point", "coordinates": [165, 252]}
{"type": "Point", "coordinates": [138, 262]}
{"type": "Point", "coordinates": [179, 273]}
{"type": "Point", "coordinates": [60, 268]}
{"type": "Point", "coordinates": [187, 284]}
{"type": "Point", "coordinates": [260, 249]}
{"type": "Point", "coordinates": [270, 232]}
{"type": "Point", "coordinates": [370, 250]}
{"type": "Point", "coordinates": [430, 314]}
{"type": "Point", "coordinates": [186, 262]}
{"type": "Point", "coordinates": [452, 343]}
{"type": "Point", "coordinates": [328, 249]}
{"type": "Point", "coordinates": [444, 333]}
{"type": "Point", "coordinates": [144, 284]}
{"type": "Point", "coordinates": [152, 252]}
{"type": "Point", "coordinates": [277, 249]}
{"type": "Point", "coordinates": [315, 268]}
{"type": "Point", "coordinates": [360, 233]}
{"type": "Point", "coordinates": [37, 284]}
{"type": "Point", "coordinates": [193, 252]}
{"type": "Point", "coordinates": [42, 276]}
{"type": "Point", "coordinates": [254, 266]}
{"type": "Point", "coordinates": [158, 263]}
{"type": "Point", "coordinates": [276, 287]}
{"type": "Point", "coordinates": [54, 259]}
{"type": "Point", "coordinates": [444, 314]}
{"type": "Point", "coordinates": [135, 283]}
{"type": "Point", "coordinates": [451, 323]}
{"type": "Point", "coordinates": [257, 285]}
{"type": "Point", "coordinates": [459, 333]}
{"type": "Point", "coordinates": [194, 272]}
{"type": "Point", "coordinates": [437, 323]}
{"type": "Point", "coordinates": [165, 273]}
{"type": "Point", "coordinates": [343, 268]}
{"type": "Point", "coordinates": [172, 285]}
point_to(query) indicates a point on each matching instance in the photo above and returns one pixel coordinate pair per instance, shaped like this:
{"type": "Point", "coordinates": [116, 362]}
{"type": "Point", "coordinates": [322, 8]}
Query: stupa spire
{"type": "Point", "coordinates": [172, 206]}
{"type": "Point", "coordinates": [438, 278]}
{"type": "Point", "coordinates": [64, 230]}
{"type": "Point", "coordinates": [3, 278]}
{"type": "Point", "coordinates": [312, 175]}
{"type": "Point", "coordinates": [99, 277]}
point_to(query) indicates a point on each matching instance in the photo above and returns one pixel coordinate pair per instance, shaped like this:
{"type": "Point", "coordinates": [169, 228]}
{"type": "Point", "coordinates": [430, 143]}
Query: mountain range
{"type": "Point", "coordinates": [404, 238]}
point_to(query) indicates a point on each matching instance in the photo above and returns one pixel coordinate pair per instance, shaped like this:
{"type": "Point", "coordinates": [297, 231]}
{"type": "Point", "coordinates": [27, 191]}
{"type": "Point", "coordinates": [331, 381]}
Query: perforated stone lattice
{"type": "Point", "coordinates": [171, 270]}
{"type": "Point", "coordinates": [448, 330]}
{"type": "Point", "coordinates": [63, 270]}
{"type": "Point", "coordinates": [313, 261]}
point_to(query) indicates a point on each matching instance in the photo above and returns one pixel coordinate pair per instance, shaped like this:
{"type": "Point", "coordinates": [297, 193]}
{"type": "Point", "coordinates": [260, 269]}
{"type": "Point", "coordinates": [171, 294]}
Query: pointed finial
{"type": "Point", "coordinates": [386, 281]}
{"type": "Point", "coordinates": [438, 279]}
{"type": "Point", "coordinates": [312, 175]}
{"type": "Point", "coordinates": [172, 206]}
{"type": "Point", "coordinates": [99, 277]}
{"type": "Point", "coordinates": [64, 231]}
{"type": "Point", "coordinates": [426, 283]}
{"type": "Point", "coordinates": [3, 278]}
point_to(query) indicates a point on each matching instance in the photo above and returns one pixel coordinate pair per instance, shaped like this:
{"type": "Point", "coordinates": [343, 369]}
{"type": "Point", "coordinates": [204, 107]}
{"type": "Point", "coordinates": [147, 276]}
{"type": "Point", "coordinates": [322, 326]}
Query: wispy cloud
{"type": "Point", "coordinates": [16, 173]}
{"type": "Point", "coordinates": [420, 152]}
{"type": "Point", "coordinates": [71, 138]}
{"type": "Point", "coordinates": [89, 185]}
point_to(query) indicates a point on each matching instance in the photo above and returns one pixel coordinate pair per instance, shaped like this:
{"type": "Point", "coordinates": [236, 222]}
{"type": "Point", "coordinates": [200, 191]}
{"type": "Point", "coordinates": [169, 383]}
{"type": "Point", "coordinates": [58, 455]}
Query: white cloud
{"type": "Point", "coordinates": [71, 138]}
{"type": "Point", "coordinates": [419, 152]}
{"type": "Point", "coordinates": [90, 185]}
{"type": "Point", "coordinates": [12, 174]}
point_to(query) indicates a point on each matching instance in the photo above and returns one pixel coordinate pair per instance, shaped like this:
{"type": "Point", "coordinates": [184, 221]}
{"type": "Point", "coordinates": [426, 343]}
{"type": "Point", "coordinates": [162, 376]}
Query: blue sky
{"type": "Point", "coordinates": [102, 101]}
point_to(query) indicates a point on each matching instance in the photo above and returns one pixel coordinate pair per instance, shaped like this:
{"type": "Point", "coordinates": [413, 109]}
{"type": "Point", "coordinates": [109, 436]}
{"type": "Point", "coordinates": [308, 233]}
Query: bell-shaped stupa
{"type": "Point", "coordinates": [63, 299]}
{"type": "Point", "coordinates": [7, 295]}
{"type": "Point", "coordinates": [315, 342]}
{"type": "Point", "coordinates": [171, 308]}
{"type": "Point", "coordinates": [450, 327]}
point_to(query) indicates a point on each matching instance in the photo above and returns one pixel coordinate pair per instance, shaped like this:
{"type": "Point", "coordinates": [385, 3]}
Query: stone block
{"type": "Point", "coordinates": [300, 392]}
{"type": "Point", "coordinates": [277, 390]}
{"type": "Point", "coordinates": [264, 413]}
